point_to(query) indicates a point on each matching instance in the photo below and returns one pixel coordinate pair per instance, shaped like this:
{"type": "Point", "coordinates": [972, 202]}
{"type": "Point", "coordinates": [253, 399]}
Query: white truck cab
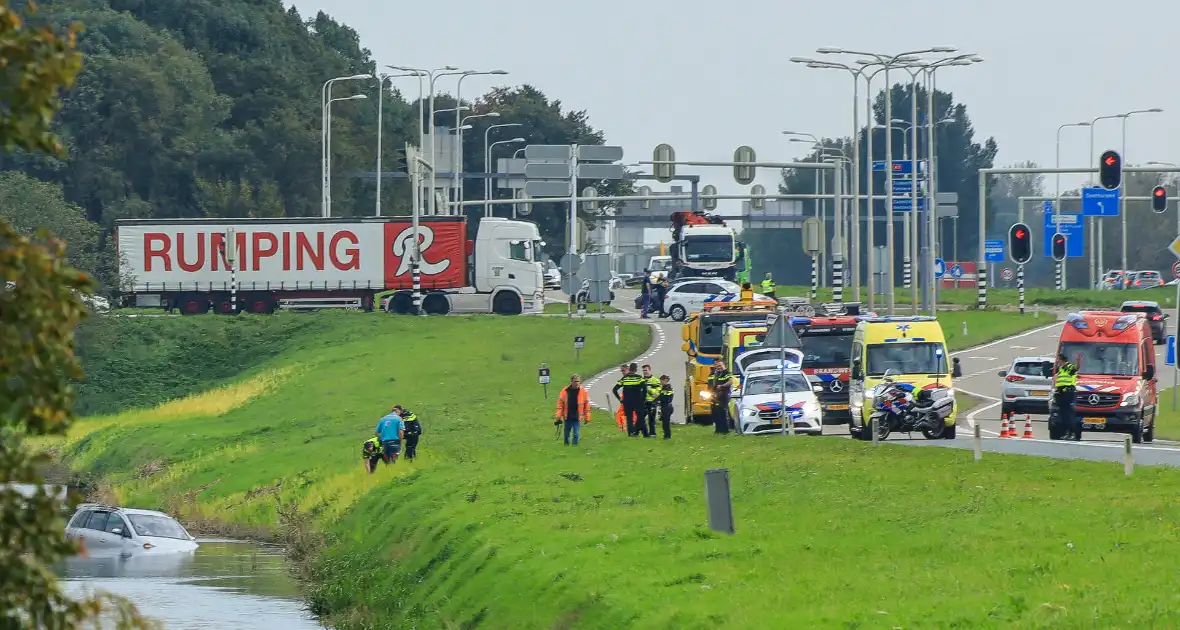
{"type": "Point", "coordinates": [508, 277]}
{"type": "Point", "coordinates": [708, 250]}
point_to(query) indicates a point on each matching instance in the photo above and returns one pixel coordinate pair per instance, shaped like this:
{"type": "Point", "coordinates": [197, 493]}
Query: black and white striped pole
{"type": "Point", "coordinates": [230, 247]}
{"type": "Point", "coordinates": [1020, 287]}
{"type": "Point", "coordinates": [906, 277]}
{"type": "Point", "coordinates": [415, 166]}
{"type": "Point", "coordinates": [814, 276]}
{"type": "Point", "coordinates": [838, 278]}
{"type": "Point", "coordinates": [1057, 277]}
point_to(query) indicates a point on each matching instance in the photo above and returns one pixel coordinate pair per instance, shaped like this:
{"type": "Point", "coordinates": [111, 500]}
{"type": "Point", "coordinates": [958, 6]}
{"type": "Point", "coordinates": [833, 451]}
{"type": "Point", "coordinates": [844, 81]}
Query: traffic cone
{"type": "Point", "coordinates": [1028, 434]}
{"type": "Point", "coordinates": [1004, 425]}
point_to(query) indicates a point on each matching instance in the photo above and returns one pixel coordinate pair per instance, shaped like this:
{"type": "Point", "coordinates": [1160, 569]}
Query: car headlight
{"type": "Point", "coordinates": [749, 411]}
{"type": "Point", "coordinates": [869, 393]}
{"type": "Point", "coordinates": [1130, 399]}
{"type": "Point", "coordinates": [706, 394]}
{"type": "Point", "coordinates": [812, 407]}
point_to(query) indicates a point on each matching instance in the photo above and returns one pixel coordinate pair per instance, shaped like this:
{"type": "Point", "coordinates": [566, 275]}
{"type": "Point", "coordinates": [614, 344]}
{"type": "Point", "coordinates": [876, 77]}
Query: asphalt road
{"type": "Point", "coordinates": [980, 366]}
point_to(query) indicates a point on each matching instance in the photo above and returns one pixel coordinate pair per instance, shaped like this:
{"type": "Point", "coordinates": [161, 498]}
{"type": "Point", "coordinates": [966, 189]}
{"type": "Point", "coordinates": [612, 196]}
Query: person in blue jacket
{"type": "Point", "coordinates": [391, 430]}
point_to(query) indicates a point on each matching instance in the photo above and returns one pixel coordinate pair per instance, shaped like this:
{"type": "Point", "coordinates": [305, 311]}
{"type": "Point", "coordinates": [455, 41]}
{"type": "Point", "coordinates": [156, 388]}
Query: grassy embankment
{"type": "Point", "coordinates": [1072, 298]}
{"type": "Point", "coordinates": [500, 523]}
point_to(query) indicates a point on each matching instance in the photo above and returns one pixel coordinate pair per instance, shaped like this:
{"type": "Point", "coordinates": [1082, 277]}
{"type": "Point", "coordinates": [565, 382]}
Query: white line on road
{"type": "Point", "coordinates": [976, 412]}
{"type": "Point", "coordinates": [1007, 339]}
{"type": "Point", "coordinates": [661, 338]}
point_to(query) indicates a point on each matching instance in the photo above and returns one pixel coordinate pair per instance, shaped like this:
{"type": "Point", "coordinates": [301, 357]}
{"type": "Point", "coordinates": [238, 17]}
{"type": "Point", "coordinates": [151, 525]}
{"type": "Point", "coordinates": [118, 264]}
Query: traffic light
{"type": "Point", "coordinates": [403, 164]}
{"type": "Point", "coordinates": [1159, 199]}
{"type": "Point", "coordinates": [1059, 247]}
{"type": "Point", "coordinates": [1110, 169]}
{"type": "Point", "coordinates": [1020, 243]}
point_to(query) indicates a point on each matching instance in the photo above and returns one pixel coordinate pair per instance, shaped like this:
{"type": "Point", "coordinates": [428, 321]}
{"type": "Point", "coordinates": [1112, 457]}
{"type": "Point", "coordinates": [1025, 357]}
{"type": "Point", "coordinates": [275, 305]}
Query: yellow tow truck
{"type": "Point", "coordinates": [704, 344]}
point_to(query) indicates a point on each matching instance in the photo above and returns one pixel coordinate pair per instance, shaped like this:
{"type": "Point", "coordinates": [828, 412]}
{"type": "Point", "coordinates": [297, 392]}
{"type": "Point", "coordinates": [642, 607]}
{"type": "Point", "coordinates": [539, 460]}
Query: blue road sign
{"type": "Point", "coordinates": [1073, 226]}
{"type": "Point", "coordinates": [906, 205]}
{"type": "Point", "coordinates": [1100, 202]}
{"type": "Point", "coordinates": [1171, 356]}
{"type": "Point", "coordinates": [956, 271]}
{"type": "Point", "coordinates": [903, 186]}
{"type": "Point", "coordinates": [1048, 208]}
{"type": "Point", "coordinates": [939, 267]}
{"type": "Point", "coordinates": [900, 167]}
{"type": "Point", "coordinates": [994, 250]}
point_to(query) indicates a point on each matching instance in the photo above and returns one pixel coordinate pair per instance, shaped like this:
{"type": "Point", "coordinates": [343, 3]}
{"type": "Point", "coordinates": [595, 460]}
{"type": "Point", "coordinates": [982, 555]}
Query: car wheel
{"type": "Point", "coordinates": [677, 313]}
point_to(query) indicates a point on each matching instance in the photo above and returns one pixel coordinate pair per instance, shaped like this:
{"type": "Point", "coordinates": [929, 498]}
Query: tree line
{"type": "Point", "coordinates": [209, 108]}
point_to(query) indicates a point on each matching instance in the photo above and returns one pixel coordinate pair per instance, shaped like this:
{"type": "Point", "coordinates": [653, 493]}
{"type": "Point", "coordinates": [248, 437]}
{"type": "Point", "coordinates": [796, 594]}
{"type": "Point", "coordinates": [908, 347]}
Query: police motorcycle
{"type": "Point", "coordinates": [902, 408]}
{"type": "Point", "coordinates": [583, 294]}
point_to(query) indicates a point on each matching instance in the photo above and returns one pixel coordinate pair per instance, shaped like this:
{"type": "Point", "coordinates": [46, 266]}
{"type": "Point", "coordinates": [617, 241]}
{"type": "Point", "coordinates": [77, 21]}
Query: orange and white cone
{"type": "Point", "coordinates": [1028, 434]}
{"type": "Point", "coordinates": [1004, 425]}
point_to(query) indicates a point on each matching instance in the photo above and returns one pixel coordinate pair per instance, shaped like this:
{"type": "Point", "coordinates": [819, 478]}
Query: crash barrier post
{"type": "Point", "coordinates": [1128, 458]}
{"type": "Point", "coordinates": [977, 440]}
{"type": "Point", "coordinates": [718, 500]}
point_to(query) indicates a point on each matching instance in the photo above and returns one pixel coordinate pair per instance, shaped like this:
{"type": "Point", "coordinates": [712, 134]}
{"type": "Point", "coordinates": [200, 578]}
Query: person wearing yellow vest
{"type": "Point", "coordinates": [1064, 393]}
{"type": "Point", "coordinates": [768, 286]}
{"type": "Point", "coordinates": [651, 398]}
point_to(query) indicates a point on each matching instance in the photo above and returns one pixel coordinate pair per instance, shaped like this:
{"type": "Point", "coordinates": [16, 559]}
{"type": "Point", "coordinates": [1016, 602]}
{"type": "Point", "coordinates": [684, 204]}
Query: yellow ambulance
{"type": "Point", "coordinates": [912, 349]}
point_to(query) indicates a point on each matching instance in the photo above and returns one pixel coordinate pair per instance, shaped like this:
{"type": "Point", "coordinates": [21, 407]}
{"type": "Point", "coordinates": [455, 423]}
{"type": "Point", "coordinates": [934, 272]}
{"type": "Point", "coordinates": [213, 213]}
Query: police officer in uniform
{"type": "Point", "coordinates": [413, 432]}
{"type": "Point", "coordinates": [719, 383]}
{"type": "Point", "coordinates": [664, 402]}
{"type": "Point", "coordinates": [1064, 388]}
{"type": "Point", "coordinates": [768, 286]}
{"type": "Point", "coordinates": [631, 390]}
{"type": "Point", "coordinates": [651, 400]}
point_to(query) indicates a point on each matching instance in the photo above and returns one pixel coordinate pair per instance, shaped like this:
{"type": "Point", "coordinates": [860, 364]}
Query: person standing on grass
{"type": "Point", "coordinates": [665, 403]}
{"type": "Point", "coordinates": [413, 431]}
{"type": "Point", "coordinates": [391, 430]}
{"type": "Point", "coordinates": [651, 399]}
{"type": "Point", "coordinates": [573, 409]}
{"type": "Point", "coordinates": [631, 390]}
{"type": "Point", "coordinates": [620, 415]}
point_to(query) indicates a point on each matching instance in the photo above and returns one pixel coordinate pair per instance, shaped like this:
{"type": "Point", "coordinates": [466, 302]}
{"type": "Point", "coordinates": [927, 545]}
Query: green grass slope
{"type": "Point", "coordinates": [500, 526]}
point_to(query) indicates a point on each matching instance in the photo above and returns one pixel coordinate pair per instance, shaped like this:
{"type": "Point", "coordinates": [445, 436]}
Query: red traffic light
{"type": "Point", "coordinates": [1021, 234]}
{"type": "Point", "coordinates": [1110, 160]}
{"type": "Point", "coordinates": [1160, 192]}
{"type": "Point", "coordinates": [1060, 238]}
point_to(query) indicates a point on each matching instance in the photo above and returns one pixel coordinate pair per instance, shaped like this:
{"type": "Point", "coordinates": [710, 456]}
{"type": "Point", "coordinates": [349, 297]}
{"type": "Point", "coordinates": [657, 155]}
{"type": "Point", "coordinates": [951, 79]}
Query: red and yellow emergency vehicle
{"type": "Point", "coordinates": [1117, 390]}
{"type": "Point", "coordinates": [827, 351]}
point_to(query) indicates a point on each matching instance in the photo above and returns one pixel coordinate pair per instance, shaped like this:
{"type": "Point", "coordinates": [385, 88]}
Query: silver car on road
{"type": "Point", "coordinates": [1028, 385]}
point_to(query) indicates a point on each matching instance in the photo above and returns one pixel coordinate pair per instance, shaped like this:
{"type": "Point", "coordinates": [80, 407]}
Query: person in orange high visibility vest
{"type": "Point", "coordinates": [620, 416]}
{"type": "Point", "coordinates": [573, 409]}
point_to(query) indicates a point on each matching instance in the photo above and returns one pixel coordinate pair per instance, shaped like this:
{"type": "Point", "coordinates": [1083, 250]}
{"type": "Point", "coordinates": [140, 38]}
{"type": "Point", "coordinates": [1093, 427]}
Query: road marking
{"type": "Point", "coordinates": [983, 357]}
{"type": "Point", "coordinates": [661, 339]}
{"type": "Point", "coordinates": [1008, 339]}
{"type": "Point", "coordinates": [976, 412]}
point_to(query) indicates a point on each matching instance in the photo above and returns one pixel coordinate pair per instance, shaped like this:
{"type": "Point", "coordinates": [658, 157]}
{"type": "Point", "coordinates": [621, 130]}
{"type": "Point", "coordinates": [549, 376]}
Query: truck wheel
{"type": "Point", "coordinates": [367, 303]}
{"type": "Point", "coordinates": [506, 303]}
{"type": "Point", "coordinates": [225, 307]}
{"type": "Point", "coordinates": [1137, 431]}
{"type": "Point", "coordinates": [193, 305]}
{"type": "Point", "coordinates": [1149, 432]}
{"type": "Point", "coordinates": [401, 303]}
{"type": "Point", "coordinates": [261, 306]}
{"type": "Point", "coordinates": [436, 304]}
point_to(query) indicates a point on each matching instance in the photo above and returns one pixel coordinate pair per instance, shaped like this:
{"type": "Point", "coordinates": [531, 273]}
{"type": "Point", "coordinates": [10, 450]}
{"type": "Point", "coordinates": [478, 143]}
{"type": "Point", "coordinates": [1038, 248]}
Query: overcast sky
{"type": "Point", "coordinates": [707, 76]}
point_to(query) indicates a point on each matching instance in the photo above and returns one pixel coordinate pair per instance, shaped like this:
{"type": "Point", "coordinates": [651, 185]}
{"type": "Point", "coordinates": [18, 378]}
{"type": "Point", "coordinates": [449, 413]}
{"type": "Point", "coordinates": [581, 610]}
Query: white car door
{"type": "Point", "coordinates": [95, 535]}
{"type": "Point", "coordinates": [710, 290]}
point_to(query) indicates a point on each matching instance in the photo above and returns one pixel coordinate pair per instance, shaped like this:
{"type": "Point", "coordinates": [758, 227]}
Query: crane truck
{"type": "Point", "coordinates": [704, 246]}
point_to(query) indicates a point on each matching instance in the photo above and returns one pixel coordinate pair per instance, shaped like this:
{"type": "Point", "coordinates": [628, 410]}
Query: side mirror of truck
{"type": "Point", "coordinates": [956, 369]}
{"type": "Point", "coordinates": [856, 372]}
{"type": "Point", "coordinates": [1149, 372]}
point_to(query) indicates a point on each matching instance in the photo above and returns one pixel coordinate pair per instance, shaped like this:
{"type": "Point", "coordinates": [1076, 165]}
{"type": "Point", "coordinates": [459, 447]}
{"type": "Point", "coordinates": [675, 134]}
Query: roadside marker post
{"type": "Point", "coordinates": [616, 334]}
{"type": "Point", "coordinates": [579, 343]}
{"type": "Point", "coordinates": [1128, 458]}
{"type": "Point", "coordinates": [543, 379]}
{"type": "Point", "coordinates": [977, 441]}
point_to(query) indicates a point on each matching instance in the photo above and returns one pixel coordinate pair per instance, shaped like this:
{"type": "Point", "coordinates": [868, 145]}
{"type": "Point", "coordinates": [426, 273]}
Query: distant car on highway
{"type": "Point", "coordinates": [690, 297]}
{"type": "Point", "coordinates": [114, 530]}
{"type": "Point", "coordinates": [1145, 280]}
{"type": "Point", "coordinates": [1112, 280]}
{"type": "Point", "coordinates": [552, 275]}
{"type": "Point", "coordinates": [1156, 317]}
{"type": "Point", "coordinates": [1028, 385]}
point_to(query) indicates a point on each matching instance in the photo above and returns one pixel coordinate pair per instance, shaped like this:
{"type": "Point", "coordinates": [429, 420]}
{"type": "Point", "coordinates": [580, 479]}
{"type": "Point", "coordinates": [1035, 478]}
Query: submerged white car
{"type": "Point", "coordinates": [108, 530]}
{"type": "Point", "coordinates": [760, 407]}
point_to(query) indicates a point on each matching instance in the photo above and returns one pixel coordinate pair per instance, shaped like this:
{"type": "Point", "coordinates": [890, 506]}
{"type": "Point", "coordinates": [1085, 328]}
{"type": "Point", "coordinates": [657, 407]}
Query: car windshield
{"type": "Point", "coordinates": [771, 384]}
{"type": "Point", "coordinates": [1038, 369]}
{"type": "Point", "coordinates": [825, 351]}
{"type": "Point", "coordinates": [1110, 359]}
{"type": "Point", "coordinates": [906, 358]}
{"type": "Point", "coordinates": [659, 264]}
{"type": "Point", "coordinates": [713, 329]}
{"type": "Point", "coordinates": [709, 248]}
{"type": "Point", "coordinates": [157, 526]}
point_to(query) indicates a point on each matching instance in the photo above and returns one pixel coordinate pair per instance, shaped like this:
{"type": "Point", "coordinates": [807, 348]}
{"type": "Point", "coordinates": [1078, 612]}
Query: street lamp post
{"type": "Point", "coordinates": [1057, 195]}
{"type": "Point", "coordinates": [488, 159]}
{"type": "Point", "coordinates": [422, 72]}
{"type": "Point", "coordinates": [487, 166]}
{"type": "Point", "coordinates": [820, 204]}
{"type": "Point", "coordinates": [458, 167]}
{"type": "Point", "coordinates": [459, 185]}
{"type": "Point", "coordinates": [889, 61]}
{"type": "Point", "coordinates": [380, 121]}
{"type": "Point", "coordinates": [325, 152]}
{"type": "Point", "coordinates": [327, 209]}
